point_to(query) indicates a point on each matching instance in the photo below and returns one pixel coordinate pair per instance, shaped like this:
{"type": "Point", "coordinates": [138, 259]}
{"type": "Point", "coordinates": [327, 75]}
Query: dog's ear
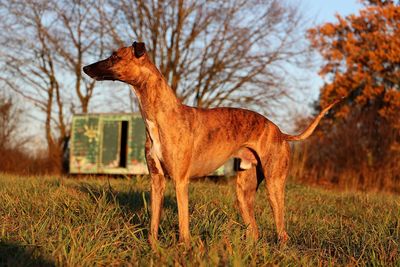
{"type": "Point", "coordinates": [139, 48]}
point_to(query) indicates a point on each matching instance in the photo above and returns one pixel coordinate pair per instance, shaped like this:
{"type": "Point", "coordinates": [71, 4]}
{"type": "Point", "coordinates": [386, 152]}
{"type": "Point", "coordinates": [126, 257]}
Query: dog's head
{"type": "Point", "coordinates": [127, 64]}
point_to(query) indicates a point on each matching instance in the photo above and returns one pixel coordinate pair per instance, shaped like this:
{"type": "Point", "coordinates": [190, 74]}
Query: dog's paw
{"type": "Point", "coordinates": [283, 238]}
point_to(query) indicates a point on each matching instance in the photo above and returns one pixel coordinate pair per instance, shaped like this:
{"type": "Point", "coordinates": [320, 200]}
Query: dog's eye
{"type": "Point", "coordinates": [114, 57]}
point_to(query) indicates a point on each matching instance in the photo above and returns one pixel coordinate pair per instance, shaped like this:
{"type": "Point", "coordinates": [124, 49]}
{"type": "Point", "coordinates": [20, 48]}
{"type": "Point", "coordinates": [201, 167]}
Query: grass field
{"type": "Point", "coordinates": [47, 221]}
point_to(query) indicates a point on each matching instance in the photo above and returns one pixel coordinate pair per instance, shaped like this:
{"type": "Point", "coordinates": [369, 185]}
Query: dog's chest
{"type": "Point", "coordinates": [155, 139]}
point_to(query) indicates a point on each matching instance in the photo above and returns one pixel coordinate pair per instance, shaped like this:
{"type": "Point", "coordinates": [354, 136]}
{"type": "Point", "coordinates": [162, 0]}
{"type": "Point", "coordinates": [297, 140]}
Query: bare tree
{"type": "Point", "coordinates": [10, 116]}
{"type": "Point", "coordinates": [77, 35]}
{"type": "Point", "coordinates": [45, 43]}
{"type": "Point", "coordinates": [215, 52]}
{"type": "Point", "coordinates": [33, 64]}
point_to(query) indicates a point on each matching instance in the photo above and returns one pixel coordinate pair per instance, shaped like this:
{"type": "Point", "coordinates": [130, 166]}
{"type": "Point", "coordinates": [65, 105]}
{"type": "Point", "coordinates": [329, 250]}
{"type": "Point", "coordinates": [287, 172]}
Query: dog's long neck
{"type": "Point", "coordinates": [156, 98]}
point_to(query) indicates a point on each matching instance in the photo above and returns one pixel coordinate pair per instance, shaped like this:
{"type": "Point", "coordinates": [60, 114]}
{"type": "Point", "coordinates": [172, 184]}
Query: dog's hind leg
{"type": "Point", "coordinates": [246, 186]}
{"type": "Point", "coordinates": [275, 170]}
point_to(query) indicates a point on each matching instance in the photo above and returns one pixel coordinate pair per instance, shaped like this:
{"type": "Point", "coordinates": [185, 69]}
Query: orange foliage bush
{"type": "Point", "coordinates": [358, 143]}
{"type": "Point", "coordinates": [362, 55]}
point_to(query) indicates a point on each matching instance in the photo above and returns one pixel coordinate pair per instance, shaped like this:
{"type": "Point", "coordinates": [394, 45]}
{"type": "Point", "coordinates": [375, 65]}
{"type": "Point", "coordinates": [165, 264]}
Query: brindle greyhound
{"type": "Point", "coordinates": [184, 142]}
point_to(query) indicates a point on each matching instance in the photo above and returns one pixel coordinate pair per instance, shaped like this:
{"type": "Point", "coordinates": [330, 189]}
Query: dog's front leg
{"type": "Point", "coordinates": [157, 191]}
{"type": "Point", "coordinates": [157, 196]}
{"type": "Point", "coordinates": [182, 196]}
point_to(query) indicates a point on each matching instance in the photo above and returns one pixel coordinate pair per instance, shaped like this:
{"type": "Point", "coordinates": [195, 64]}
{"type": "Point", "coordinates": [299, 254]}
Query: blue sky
{"type": "Point", "coordinates": [325, 10]}
{"type": "Point", "coordinates": [318, 12]}
{"type": "Point", "coordinates": [321, 11]}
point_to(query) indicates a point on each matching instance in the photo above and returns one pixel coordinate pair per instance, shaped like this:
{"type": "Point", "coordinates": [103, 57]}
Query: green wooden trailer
{"type": "Point", "coordinates": [107, 144]}
{"type": "Point", "coordinates": [112, 144]}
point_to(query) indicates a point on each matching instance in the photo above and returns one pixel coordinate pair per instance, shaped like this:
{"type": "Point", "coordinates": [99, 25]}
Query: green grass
{"type": "Point", "coordinates": [53, 221]}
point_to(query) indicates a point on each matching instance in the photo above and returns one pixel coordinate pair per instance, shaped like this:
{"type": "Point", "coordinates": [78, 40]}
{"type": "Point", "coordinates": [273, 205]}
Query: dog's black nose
{"type": "Point", "coordinates": [86, 69]}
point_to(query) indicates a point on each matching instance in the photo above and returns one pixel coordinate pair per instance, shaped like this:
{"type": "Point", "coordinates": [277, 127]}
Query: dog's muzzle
{"type": "Point", "coordinates": [100, 71]}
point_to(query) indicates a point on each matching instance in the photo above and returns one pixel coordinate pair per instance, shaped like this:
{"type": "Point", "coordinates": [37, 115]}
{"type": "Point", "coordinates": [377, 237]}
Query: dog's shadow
{"type": "Point", "coordinates": [16, 254]}
{"type": "Point", "coordinates": [134, 201]}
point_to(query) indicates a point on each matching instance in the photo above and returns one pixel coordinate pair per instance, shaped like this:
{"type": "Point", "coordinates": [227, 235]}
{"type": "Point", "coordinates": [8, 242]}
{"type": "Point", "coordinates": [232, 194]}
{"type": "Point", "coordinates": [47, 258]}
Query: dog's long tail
{"type": "Point", "coordinates": [310, 129]}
